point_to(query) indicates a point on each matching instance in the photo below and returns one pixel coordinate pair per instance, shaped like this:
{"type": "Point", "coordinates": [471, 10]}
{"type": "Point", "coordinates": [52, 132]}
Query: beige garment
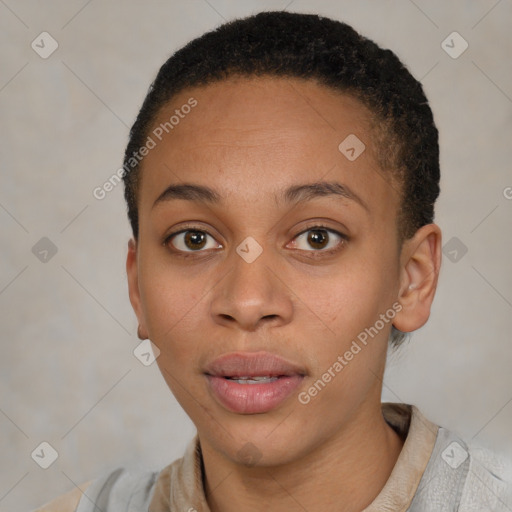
{"type": "Point", "coordinates": [65, 503]}
{"type": "Point", "coordinates": [180, 485]}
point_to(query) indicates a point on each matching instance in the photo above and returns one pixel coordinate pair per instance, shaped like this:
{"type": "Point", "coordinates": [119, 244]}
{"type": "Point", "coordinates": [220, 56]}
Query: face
{"type": "Point", "coordinates": [252, 282]}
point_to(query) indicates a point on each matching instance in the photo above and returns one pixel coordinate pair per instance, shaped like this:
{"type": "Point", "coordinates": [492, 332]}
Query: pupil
{"type": "Point", "coordinates": [317, 238]}
{"type": "Point", "coordinates": [195, 239]}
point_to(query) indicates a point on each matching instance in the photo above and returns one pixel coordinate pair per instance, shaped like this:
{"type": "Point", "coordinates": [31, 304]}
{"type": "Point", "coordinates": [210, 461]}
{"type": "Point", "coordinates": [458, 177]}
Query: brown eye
{"type": "Point", "coordinates": [195, 240]}
{"type": "Point", "coordinates": [192, 240]}
{"type": "Point", "coordinates": [318, 239]}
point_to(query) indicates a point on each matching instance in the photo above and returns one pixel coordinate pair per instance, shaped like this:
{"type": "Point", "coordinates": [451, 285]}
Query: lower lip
{"type": "Point", "coordinates": [253, 398]}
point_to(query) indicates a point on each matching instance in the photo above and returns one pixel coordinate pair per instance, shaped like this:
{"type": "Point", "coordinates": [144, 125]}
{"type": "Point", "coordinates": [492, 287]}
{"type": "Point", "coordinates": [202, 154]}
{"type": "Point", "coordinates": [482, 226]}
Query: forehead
{"type": "Point", "coordinates": [254, 109]}
{"type": "Point", "coordinates": [251, 137]}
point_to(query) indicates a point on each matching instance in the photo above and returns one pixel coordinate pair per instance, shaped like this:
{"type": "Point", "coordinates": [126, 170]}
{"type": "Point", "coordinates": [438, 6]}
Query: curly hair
{"type": "Point", "coordinates": [284, 44]}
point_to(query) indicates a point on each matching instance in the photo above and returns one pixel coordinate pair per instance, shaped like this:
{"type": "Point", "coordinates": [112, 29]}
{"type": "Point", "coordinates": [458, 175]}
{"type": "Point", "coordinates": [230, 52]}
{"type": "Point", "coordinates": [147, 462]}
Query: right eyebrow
{"type": "Point", "coordinates": [188, 192]}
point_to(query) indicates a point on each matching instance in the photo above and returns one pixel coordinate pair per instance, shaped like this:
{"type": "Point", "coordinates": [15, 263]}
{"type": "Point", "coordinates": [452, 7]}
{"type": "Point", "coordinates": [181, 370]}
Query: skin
{"type": "Point", "coordinates": [250, 139]}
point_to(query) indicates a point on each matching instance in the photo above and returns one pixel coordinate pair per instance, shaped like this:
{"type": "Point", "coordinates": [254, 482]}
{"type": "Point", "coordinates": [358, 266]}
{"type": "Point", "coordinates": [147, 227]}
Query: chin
{"type": "Point", "coordinates": [258, 440]}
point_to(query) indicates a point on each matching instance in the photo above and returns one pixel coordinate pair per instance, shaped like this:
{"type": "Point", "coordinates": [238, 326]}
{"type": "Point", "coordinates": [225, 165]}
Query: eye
{"type": "Point", "coordinates": [191, 240]}
{"type": "Point", "coordinates": [319, 238]}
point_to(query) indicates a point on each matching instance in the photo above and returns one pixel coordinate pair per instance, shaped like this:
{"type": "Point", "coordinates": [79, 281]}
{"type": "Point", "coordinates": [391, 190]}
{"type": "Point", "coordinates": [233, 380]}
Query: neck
{"type": "Point", "coordinates": [346, 472]}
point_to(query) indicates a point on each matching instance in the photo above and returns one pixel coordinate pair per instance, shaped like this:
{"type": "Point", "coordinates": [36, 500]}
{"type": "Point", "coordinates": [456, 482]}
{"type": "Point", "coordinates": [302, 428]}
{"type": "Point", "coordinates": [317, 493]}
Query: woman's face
{"type": "Point", "coordinates": [248, 271]}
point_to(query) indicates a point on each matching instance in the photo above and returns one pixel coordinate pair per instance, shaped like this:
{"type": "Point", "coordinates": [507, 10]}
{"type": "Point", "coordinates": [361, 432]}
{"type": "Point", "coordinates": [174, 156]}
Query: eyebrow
{"type": "Point", "coordinates": [188, 192]}
{"type": "Point", "coordinates": [295, 193]}
{"type": "Point", "coordinates": [301, 193]}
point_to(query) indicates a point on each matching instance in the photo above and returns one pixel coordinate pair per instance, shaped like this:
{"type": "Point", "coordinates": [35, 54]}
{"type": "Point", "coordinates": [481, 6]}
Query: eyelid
{"type": "Point", "coordinates": [183, 229]}
{"type": "Point", "coordinates": [313, 226]}
{"type": "Point", "coordinates": [320, 226]}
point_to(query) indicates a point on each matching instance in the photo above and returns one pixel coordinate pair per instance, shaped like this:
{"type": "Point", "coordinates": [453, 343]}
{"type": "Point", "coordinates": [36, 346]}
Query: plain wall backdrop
{"type": "Point", "coordinates": [68, 373]}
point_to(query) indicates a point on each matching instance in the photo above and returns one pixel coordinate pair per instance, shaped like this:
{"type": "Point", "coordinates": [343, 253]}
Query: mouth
{"type": "Point", "coordinates": [252, 382]}
{"type": "Point", "coordinates": [257, 379]}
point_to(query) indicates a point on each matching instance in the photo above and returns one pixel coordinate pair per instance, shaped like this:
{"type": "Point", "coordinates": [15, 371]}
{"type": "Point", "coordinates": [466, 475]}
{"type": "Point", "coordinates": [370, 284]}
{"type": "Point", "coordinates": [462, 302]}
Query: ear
{"type": "Point", "coordinates": [132, 272]}
{"type": "Point", "coordinates": [420, 262]}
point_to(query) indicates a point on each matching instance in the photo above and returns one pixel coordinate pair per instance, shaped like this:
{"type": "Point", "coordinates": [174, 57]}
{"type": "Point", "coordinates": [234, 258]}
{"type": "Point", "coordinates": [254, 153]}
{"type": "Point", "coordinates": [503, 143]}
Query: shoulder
{"type": "Point", "coordinates": [489, 481]}
{"type": "Point", "coordinates": [459, 475]}
{"type": "Point", "coordinates": [67, 502]}
{"type": "Point", "coordinates": [113, 491]}
{"type": "Point", "coordinates": [466, 476]}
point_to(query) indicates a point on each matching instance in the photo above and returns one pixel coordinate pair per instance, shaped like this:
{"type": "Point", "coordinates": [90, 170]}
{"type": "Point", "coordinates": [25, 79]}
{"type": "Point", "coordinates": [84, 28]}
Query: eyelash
{"type": "Point", "coordinates": [320, 252]}
{"type": "Point", "coordinates": [324, 252]}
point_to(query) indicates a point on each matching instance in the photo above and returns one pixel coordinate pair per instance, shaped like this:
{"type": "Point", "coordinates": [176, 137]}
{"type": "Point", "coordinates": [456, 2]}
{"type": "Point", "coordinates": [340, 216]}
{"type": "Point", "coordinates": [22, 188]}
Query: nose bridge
{"type": "Point", "coordinates": [251, 293]}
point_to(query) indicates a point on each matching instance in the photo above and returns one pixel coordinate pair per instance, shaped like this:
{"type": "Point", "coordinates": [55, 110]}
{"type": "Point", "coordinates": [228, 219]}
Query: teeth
{"type": "Point", "coordinates": [253, 380]}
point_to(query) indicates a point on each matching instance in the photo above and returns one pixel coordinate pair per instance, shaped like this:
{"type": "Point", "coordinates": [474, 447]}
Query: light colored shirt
{"type": "Point", "coordinates": [435, 472]}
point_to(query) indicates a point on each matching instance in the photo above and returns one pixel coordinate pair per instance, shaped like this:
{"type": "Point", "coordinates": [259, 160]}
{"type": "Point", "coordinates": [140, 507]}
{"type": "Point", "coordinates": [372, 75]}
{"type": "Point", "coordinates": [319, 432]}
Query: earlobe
{"type": "Point", "coordinates": [419, 273]}
{"type": "Point", "coordinates": [133, 287]}
{"type": "Point", "coordinates": [140, 334]}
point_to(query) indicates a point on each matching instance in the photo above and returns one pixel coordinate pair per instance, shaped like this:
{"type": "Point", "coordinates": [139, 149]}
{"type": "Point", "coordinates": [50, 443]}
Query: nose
{"type": "Point", "coordinates": [251, 295]}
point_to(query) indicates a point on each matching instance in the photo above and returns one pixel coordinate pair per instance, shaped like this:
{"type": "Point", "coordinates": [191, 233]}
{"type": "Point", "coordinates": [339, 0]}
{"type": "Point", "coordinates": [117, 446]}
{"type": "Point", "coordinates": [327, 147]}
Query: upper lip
{"type": "Point", "coordinates": [252, 364]}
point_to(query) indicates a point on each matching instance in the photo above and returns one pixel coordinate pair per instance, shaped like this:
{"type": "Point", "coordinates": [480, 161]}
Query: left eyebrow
{"type": "Point", "coordinates": [308, 191]}
{"type": "Point", "coordinates": [295, 193]}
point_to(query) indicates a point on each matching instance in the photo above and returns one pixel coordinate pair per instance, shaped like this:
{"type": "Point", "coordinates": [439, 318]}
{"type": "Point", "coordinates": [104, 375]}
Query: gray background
{"type": "Point", "coordinates": [68, 373]}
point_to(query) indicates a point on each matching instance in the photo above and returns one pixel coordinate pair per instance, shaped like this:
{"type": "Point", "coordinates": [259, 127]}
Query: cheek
{"type": "Point", "coordinates": [349, 359]}
{"type": "Point", "coordinates": [348, 299]}
{"type": "Point", "coordinates": [175, 314]}
{"type": "Point", "coordinates": [344, 321]}
{"type": "Point", "coordinates": [174, 307]}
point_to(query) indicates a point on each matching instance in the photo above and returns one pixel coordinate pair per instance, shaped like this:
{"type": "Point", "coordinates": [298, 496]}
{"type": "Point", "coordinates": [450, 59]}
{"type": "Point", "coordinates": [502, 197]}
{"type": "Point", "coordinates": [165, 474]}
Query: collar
{"type": "Point", "coordinates": [180, 485]}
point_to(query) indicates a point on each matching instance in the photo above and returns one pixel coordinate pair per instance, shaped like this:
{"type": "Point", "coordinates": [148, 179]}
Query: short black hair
{"type": "Point", "coordinates": [308, 46]}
